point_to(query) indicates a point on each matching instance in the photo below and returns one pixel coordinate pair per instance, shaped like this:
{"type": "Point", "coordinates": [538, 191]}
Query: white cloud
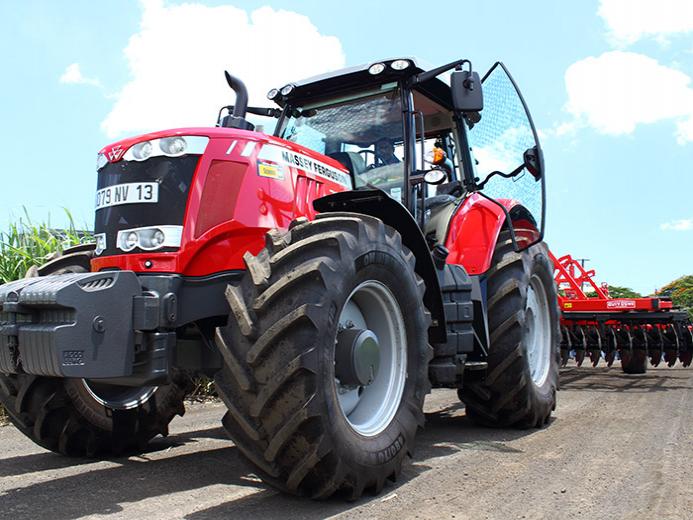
{"type": "Point", "coordinates": [631, 20]}
{"type": "Point", "coordinates": [678, 225]}
{"type": "Point", "coordinates": [73, 76]}
{"type": "Point", "coordinates": [178, 57]}
{"type": "Point", "coordinates": [617, 91]}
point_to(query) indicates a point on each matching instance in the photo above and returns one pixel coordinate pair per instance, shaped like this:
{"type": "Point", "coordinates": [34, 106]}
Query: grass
{"type": "Point", "coordinates": [26, 244]}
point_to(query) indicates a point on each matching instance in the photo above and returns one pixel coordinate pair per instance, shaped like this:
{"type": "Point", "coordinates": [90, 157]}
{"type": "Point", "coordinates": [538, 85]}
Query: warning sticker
{"type": "Point", "coordinates": [272, 171]}
{"type": "Point", "coordinates": [279, 155]}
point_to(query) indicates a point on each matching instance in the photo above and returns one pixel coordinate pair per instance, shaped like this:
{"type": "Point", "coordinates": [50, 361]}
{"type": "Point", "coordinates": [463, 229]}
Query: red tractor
{"type": "Point", "coordinates": [385, 239]}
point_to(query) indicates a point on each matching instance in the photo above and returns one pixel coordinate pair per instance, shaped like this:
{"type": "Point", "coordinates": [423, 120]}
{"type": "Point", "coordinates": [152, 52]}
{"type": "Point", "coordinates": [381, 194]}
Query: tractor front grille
{"type": "Point", "coordinates": [174, 176]}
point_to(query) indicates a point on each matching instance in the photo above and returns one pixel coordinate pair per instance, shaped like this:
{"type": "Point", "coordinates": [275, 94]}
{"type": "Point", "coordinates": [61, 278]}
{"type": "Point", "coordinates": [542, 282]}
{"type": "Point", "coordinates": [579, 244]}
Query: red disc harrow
{"type": "Point", "coordinates": [597, 327]}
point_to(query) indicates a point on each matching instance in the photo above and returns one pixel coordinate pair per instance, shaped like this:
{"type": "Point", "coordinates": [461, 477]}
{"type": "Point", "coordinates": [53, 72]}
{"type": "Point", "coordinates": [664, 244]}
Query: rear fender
{"type": "Point", "coordinates": [476, 225]}
{"type": "Point", "coordinates": [378, 204]}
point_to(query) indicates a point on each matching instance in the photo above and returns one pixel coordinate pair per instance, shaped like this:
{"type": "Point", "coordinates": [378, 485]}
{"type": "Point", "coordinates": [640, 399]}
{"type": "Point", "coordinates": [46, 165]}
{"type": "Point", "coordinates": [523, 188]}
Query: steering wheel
{"type": "Point", "coordinates": [364, 154]}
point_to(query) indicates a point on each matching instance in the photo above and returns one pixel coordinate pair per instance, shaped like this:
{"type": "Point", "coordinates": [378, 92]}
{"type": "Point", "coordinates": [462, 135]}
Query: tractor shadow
{"type": "Point", "coordinates": [605, 379]}
{"type": "Point", "coordinates": [81, 491]}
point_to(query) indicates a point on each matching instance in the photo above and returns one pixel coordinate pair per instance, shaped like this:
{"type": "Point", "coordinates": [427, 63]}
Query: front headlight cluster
{"type": "Point", "coordinates": [169, 146]}
{"type": "Point", "coordinates": [149, 238]}
{"type": "Point", "coordinates": [100, 243]}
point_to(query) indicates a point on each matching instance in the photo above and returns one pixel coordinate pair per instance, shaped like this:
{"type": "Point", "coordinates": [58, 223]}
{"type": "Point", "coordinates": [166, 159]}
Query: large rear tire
{"type": "Point", "coordinates": [522, 379]}
{"type": "Point", "coordinates": [295, 407]}
{"type": "Point", "coordinates": [77, 417]}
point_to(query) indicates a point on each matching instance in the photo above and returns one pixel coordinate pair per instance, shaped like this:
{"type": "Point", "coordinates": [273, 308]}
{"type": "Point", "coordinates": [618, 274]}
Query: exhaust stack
{"type": "Point", "coordinates": [237, 118]}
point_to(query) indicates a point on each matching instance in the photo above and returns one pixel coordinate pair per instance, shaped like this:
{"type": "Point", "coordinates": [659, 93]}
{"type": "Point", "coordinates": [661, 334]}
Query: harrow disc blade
{"type": "Point", "coordinates": [595, 356]}
{"type": "Point", "coordinates": [655, 356]}
{"type": "Point", "coordinates": [565, 356]}
{"type": "Point", "coordinates": [686, 358]}
{"type": "Point", "coordinates": [610, 357]}
{"type": "Point", "coordinates": [670, 357]}
{"type": "Point", "coordinates": [655, 346]}
{"type": "Point", "coordinates": [579, 357]}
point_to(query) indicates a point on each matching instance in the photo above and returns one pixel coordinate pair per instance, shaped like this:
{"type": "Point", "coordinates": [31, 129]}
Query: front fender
{"type": "Point", "coordinates": [475, 226]}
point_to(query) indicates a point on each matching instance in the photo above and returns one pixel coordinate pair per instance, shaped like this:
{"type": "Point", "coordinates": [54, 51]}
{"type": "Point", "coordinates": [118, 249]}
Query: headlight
{"type": "Point", "coordinates": [168, 146]}
{"type": "Point", "coordinates": [272, 94]}
{"type": "Point", "coordinates": [129, 241]}
{"type": "Point", "coordinates": [101, 161]}
{"type": "Point", "coordinates": [399, 64]}
{"type": "Point", "coordinates": [173, 146]}
{"type": "Point", "coordinates": [150, 238]}
{"type": "Point", "coordinates": [286, 90]}
{"type": "Point", "coordinates": [376, 68]}
{"type": "Point", "coordinates": [100, 243]}
{"type": "Point", "coordinates": [142, 151]}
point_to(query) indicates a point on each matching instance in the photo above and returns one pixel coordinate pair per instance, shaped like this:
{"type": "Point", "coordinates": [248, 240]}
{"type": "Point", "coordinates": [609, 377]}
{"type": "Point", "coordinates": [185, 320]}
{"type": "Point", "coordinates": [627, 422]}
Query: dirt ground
{"type": "Point", "coordinates": [619, 447]}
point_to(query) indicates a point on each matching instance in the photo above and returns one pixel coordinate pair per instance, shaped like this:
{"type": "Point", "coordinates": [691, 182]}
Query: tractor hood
{"type": "Point", "coordinates": [193, 200]}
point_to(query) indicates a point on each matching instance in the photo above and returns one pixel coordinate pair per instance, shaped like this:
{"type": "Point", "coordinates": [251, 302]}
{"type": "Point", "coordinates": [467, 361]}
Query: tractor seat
{"type": "Point", "coordinates": [439, 209]}
{"type": "Point", "coordinates": [352, 161]}
{"type": "Point", "coordinates": [436, 201]}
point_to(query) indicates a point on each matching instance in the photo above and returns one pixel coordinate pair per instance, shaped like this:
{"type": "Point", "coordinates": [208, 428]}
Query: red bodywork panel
{"type": "Point", "coordinates": [231, 203]}
{"type": "Point", "coordinates": [474, 229]}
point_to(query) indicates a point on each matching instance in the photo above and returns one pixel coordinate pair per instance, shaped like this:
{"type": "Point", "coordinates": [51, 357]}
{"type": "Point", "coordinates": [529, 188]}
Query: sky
{"type": "Point", "coordinates": [608, 83]}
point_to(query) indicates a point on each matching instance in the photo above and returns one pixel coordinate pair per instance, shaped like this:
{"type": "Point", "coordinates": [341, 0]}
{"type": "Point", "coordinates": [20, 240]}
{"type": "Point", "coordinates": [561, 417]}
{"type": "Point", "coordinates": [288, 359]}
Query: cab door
{"type": "Point", "coordinates": [507, 155]}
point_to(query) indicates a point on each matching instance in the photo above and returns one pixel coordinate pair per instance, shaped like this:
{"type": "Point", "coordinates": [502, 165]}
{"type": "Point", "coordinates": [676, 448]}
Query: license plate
{"type": "Point", "coordinates": [129, 193]}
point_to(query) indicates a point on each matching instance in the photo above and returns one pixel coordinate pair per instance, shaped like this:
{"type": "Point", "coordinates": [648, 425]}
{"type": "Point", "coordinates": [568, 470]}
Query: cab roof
{"type": "Point", "coordinates": [358, 78]}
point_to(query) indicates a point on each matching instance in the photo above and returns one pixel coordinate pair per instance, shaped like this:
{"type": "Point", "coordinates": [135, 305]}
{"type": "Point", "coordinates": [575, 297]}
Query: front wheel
{"type": "Point", "coordinates": [524, 355]}
{"type": "Point", "coordinates": [326, 357]}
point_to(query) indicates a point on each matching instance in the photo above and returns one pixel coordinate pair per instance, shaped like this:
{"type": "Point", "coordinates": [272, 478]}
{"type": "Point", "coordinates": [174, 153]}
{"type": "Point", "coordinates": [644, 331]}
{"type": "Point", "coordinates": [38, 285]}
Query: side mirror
{"type": "Point", "coordinates": [435, 176]}
{"type": "Point", "coordinates": [532, 161]}
{"type": "Point", "coordinates": [466, 90]}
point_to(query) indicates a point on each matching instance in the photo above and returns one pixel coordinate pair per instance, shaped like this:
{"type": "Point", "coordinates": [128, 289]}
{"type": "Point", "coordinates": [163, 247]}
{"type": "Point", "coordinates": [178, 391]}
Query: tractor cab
{"type": "Point", "coordinates": [425, 142]}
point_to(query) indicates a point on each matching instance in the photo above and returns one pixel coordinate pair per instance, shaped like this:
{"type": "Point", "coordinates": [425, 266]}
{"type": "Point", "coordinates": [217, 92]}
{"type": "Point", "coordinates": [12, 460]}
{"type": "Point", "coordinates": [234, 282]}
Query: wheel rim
{"type": "Point", "coordinates": [118, 397]}
{"type": "Point", "coordinates": [369, 409]}
{"type": "Point", "coordinates": [538, 331]}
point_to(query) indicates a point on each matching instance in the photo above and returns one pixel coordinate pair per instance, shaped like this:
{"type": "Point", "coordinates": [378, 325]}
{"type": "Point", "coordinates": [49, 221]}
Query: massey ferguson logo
{"type": "Point", "coordinates": [115, 153]}
{"type": "Point", "coordinates": [620, 304]}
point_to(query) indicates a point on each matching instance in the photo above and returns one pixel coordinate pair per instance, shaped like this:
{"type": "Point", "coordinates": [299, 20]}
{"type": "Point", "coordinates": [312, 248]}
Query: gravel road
{"type": "Point", "coordinates": [619, 447]}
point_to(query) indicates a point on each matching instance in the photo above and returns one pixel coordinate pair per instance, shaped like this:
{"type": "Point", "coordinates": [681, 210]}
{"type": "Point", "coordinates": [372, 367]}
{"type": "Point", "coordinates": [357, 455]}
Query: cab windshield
{"type": "Point", "coordinates": [363, 131]}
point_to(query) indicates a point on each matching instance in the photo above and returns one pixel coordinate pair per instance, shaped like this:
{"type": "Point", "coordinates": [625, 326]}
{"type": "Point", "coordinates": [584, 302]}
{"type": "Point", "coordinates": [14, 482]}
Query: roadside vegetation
{"type": "Point", "coordinates": [26, 244]}
{"type": "Point", "coordinates": [623, 292]}
{"type": "Point", "coordinates": [681, 292]}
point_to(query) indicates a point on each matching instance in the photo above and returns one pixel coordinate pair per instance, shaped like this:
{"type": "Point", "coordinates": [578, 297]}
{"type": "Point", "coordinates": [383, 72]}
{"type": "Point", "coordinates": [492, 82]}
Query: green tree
{"type": "Point", "coordinates": [681, 292]}
{"type": "Point", "coordinates": [623, 292]}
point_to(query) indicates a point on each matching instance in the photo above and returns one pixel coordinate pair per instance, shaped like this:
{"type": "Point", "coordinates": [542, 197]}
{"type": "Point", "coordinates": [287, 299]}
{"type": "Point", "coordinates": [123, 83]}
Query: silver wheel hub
{"type": "Point", "coordinates": [370, 358]}
{"type": "Point", "coordinates": [538, 331]}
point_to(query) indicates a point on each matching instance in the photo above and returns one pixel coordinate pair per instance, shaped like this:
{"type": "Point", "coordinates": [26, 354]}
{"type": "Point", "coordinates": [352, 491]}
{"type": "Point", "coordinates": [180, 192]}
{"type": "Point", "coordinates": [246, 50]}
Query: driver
{"type": "Point", "coordinates": [385, 152]}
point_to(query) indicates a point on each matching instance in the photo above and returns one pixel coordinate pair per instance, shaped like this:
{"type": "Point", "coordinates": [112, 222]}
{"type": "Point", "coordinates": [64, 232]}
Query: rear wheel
{"type": "Point", "coordinates": [326, 357]}
{"type": "Point", "coordinates": [522, 378]}
{"type": "Point", "coordinates": [78, 417]}
{"type": "Point", "coordinates": [634, 357]}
